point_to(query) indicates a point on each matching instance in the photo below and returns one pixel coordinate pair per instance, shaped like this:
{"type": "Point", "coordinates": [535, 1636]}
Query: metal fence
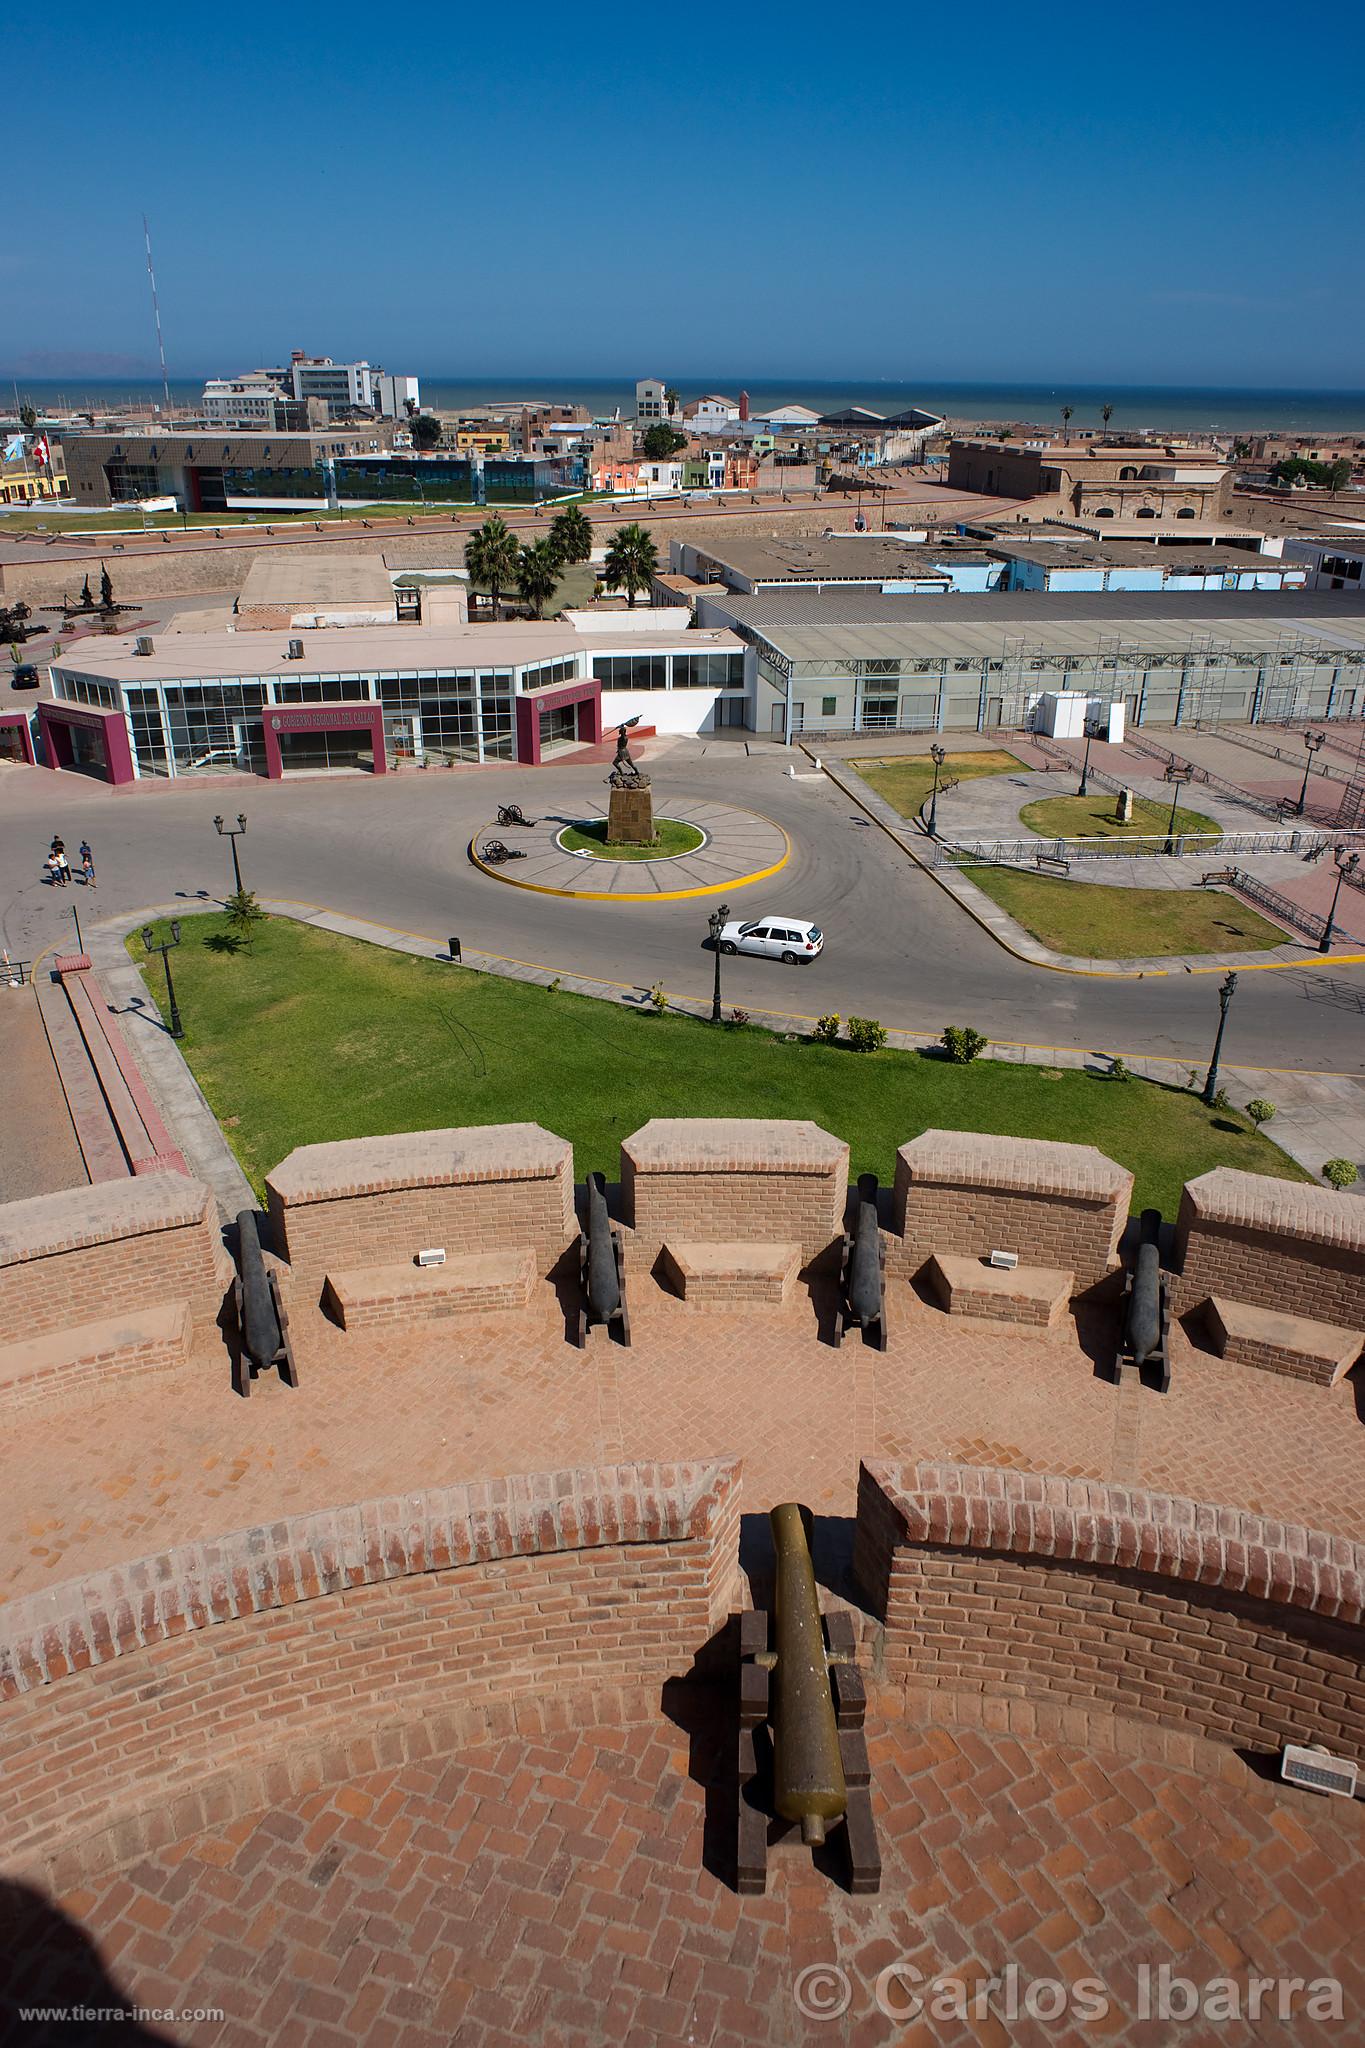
{"type": "Point", "coordinates": [1279, 905]}
{"type": "Point", "coordinates": [1190, 771]}
{"type": "Point", "coordinates": [1267, 747]}
{"type": "Point", "coordinates": [14, 973]}
{"type": "Point", "coordinates": [1142, 846]}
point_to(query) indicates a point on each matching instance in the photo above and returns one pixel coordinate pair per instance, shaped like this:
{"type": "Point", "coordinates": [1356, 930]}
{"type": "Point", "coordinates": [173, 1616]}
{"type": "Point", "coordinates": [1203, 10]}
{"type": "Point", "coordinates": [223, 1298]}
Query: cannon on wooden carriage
{"type": "Point", "coordinates": [262, 1319]}
{"type": "Point", "coordinates": [862, 1271]}
{"type": "Point", "coordinates": [601, 1269]}
{"type": "Point", "coordinates": [493, 853]}
{"type": "Point", "coordinates": [802, 1757]}
{"type": "Point", "coordinates": [513, 814]}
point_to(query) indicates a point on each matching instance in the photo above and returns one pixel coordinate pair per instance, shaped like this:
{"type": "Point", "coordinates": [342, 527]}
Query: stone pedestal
{"type": "Point", "coordinates": [1123, 811]}
{"type": "Point", "coordinates": [630, 817]}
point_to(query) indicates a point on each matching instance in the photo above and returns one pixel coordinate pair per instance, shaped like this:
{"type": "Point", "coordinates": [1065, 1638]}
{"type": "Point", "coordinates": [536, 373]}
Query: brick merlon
{"type": "Point", "coordinates": [1030, 1166]}
{"type": "Point", "coordinates": [1257, 1201]}
{"type": "Point", "coordinates": [45, 1225]}
{"type": "Point", "coordinates": [418, 1159]}
{"type": "Point", "coordinates": [734, 1144]}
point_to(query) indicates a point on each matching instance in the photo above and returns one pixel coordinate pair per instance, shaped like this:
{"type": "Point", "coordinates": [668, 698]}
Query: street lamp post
{"type": "Point", "coordinates": [164, 947]}
{"type": "Point", "coordinates": [1175, 806]}
{"type": "Point", "coordinates": [231, 832]}
{"type": "Point", "coordinates": [938, 755]}
{"type": "Point", "coordinates": [717, 922]}
{"type": "Point", "coordinates": [1225, 995]}
{"type": "Point", "coordinates": [1084, 789]}
{"type": "Point", "coordinates": [1347, 863]}
{"type": "Point", "coordinates": [1312, 740]}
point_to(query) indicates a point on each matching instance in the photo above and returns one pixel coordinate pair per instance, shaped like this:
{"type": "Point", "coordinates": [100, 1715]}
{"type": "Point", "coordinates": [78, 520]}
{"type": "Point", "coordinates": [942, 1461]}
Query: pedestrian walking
{"type": "Point", "coordinates": [54, 870]}
{"type": "Point", "coordinates": [87, 864]}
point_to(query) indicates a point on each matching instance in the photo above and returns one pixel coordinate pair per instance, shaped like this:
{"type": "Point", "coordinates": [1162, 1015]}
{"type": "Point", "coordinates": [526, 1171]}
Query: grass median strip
{"type": "Point", "coordinates": [905, 780]}
{"type": "Point", "coordinates": [1092, 817]}
{"type": "Point", "coordinates": [1094, 922]}
{"type": "Point", "coordinates": [308, 1038]}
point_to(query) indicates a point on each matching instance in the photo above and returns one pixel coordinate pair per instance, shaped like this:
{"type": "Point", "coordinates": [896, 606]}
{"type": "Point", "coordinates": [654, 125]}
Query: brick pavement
{"type": "Point", "coordinates": [561, 1882]}
{"type": "Point", "coordinates": [125, 1474]}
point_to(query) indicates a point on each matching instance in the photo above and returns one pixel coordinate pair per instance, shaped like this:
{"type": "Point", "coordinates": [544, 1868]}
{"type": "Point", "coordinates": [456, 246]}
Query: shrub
{"type": "Point", "coordinates": [1119, 1070]}
{"type": "Point", "coordinates": [244, 913]}
{"type": "Point", "coordinates": [739, 1018]}
{"type": "Point", "coordinates": [1260, 1111]}
{"type": "Point", "coordinates": [1222, 1100]}
{"type": "Point", "coordinates": [1340, 1173]}
{"type": "Point", "coordinates": [1192, 1080]}
{"type": "Point", "coordinates": [827, 1028]}
{"type": "Point", "coordinates": [962, 1044]}
{"type": "Point", "coordinates": [658, 998]}
{"type": "Point", "coordinates": [865, 1034]}
{"type": "Point", "coordinates": [552, 988]}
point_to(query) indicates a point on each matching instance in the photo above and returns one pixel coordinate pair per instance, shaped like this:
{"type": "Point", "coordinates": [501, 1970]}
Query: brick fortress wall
{"type": "Point", "coordinates": [1208, 1619]}
{"type": "Point", "coordinates": [379, 1201]}
{"type": "Point", "coordinates": [143, 1702]}
{"type": "Point", "coordinates": [1278, 1244]}
{"type": "Point", "coordinates": [1056, 1205]}
{"type": "Point", "coordinates": [733, 1179]}
{"type": "Point", "coordinates": [119, 1246]}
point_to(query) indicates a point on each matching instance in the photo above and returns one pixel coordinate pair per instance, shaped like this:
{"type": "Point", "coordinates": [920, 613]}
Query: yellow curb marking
{"type": "Point", "coordinates": [630, 896]}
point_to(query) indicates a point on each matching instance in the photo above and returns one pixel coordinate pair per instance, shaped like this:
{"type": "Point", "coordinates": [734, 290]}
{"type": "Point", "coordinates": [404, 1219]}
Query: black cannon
{"type": "Point", "coordinates": [802, 1756]}
{"type": "Point", "coordinates": [601, 1268]}
{"type": "Point", "coordinates": [493, 853]}
{"type": "Point", "coordinates": [513, 814]}
{"type": "Point", "coordinates": [262, 1319]}
{"type": "Point", "coordinates": [862, 1272]}
{"type": "Point", "coordinates": [1146, 1308]}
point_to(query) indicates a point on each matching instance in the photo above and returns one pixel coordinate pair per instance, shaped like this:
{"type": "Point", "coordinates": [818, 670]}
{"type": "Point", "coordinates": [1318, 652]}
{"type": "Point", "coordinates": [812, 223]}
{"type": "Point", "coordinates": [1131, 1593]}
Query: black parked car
{"type": "Point", "coordinates": [25, 677]}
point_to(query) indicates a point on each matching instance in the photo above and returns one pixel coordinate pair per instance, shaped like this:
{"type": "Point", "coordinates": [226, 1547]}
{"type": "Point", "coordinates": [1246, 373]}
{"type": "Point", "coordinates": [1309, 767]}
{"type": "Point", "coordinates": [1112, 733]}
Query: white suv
{"type": "Point", "coordinates": [789, 939]}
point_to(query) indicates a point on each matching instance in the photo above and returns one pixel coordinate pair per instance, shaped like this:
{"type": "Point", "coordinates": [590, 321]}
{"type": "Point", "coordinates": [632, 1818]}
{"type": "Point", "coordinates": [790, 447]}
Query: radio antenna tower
{"type": "Point", "coordinates": [156, 315]}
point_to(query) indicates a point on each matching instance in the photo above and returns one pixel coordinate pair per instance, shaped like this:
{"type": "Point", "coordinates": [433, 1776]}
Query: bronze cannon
{"type": "Point", "coordinates": [808, 1773]}
{"type": "Point", "coordinates": [1146, 1314]}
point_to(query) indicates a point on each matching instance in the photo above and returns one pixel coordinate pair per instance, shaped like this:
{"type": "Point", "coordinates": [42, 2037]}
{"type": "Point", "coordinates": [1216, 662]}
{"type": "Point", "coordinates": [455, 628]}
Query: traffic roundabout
{"type": "Point", "coordinates": [722, 848]}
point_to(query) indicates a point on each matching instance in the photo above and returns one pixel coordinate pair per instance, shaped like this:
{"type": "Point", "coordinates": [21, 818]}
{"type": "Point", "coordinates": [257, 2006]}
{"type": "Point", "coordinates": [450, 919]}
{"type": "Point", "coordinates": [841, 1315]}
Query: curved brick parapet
{"type": "Point", "coordinates": [968, 1193]}
{"type": "Point", "coordinates": [135, 1688]}
{"type": "Point", "coordinates": [1219, 1620]}
{"type": "Point", "coordinates": [1278, 1244]}
{"type": "Point", "coordinates": [379, 1201]}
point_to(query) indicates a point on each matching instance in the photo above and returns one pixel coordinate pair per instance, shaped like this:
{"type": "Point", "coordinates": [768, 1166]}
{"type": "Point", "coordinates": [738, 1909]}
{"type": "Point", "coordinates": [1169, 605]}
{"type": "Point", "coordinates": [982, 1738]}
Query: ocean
{"type": "Point", "coordinates": [1156, 406]}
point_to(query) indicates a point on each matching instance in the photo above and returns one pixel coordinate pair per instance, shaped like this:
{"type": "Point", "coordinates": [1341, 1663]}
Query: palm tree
{"type": "Point", "coordinates": [491, 555]}
{"type": "Point", "coordinates": [537, 574]}
{"type": "Point", "coordinates": [1106, 414]}
{"type": "Point", "coordinates": [632, 559]}
{"type": "Point", "coordinates": [571, 535]}
{"type": "Point", "coordinates": [671, 401]}
{"type": "Point", "coordinates": [1066, 422]}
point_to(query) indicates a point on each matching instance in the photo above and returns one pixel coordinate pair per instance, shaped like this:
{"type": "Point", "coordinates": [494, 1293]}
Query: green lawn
{"type": "Point", "coordinates": [1098, 923]}
{"type": "Point", "coordinates": [1092, 817]}
{"type": "Point", "coordinates": [312, 1038]}
{"type": "Point", "coordinates": [905, 780]}
{"type": "Point", "coordinates": [671, 836]}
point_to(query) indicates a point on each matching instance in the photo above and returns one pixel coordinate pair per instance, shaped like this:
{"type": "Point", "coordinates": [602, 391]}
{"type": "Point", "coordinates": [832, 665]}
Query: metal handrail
{"type": "Point", "coordinates": [15, 973]}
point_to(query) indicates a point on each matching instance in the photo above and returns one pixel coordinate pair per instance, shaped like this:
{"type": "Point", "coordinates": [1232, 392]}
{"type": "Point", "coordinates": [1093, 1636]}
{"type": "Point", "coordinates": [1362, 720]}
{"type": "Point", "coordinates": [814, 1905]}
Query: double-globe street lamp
{"type": "Point", "coordinates": [163, 947]}
{"type": "Point", "coordinates": [1347, 864]}
{"type": "Point", "coordinates": [717, 922]}
{"type": "Point", "coordinates": [1174, 775]}
{"type": "Point", "coordinates": [231, 832]}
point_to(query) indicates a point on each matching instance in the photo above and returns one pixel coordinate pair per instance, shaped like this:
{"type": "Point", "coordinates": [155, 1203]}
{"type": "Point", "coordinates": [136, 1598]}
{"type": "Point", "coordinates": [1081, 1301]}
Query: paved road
{"type": "Point", "coordinates": [393, 850]}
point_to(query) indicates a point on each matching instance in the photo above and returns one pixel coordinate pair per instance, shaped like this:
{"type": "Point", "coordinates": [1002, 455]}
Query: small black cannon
{"type": "Point", "coordinates": [601, 1268]}
{"type": "Point", "coordinates": [513, 814]}
{"type": "Point", "coordinates": [1146, 1308]}
{"type": "Point", "coordinates": [494, 853]}
{"type": "Point", "coordinates": [262, 1319]}
{"type": "Point", "coordinates": [862, 1271]}
{"type": "Point", "coordinates": [802, 1757]}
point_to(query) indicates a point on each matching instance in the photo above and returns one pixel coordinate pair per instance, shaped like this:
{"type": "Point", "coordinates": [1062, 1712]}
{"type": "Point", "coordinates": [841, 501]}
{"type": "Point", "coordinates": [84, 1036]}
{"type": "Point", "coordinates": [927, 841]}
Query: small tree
{"type": "Point", "coordinates": [1119, 1069]}
{"type": "Point", "coordinates": [410, 407]}
{"type": "Point", "coordinates": [537, 575]}
{"type": "Point", "coordinates": [658, 996]}
{"type": "Point", "coordinates": [962, 1044]}
{"type": "Point", "coordinates": [425, 430]}
{"type": "Point", "coordinates": [827, 1028]}
{"type": "Point", "coordinates": [1066, 422]}
{"type": "Point", "coordinates": [1106, 414]}
{"type": "Point", "coordinates": [1260, 1111]}
{"type": "Point", "coordinates": [671, 401]}
{"type": "Point", "coordinates": [632, 559]}
{"type": "Point", "coordinates": [1340, 1173]}
{"type": "Point", "coordinates": [661, 441]}
{"type": "Point", "coordinates": [28, 418]}
{"type": "Point", "coordinates": [244, 913]}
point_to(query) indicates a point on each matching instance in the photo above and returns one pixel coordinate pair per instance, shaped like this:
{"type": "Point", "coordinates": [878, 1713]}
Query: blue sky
{"type": "Point", "coordinates": [1149, 193]}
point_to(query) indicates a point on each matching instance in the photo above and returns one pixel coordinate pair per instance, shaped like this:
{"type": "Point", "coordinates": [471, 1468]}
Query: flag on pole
{"type": "Point", "coordinates": [14, 448]}
{"type": "Point", "coordinates": [40, 451]}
